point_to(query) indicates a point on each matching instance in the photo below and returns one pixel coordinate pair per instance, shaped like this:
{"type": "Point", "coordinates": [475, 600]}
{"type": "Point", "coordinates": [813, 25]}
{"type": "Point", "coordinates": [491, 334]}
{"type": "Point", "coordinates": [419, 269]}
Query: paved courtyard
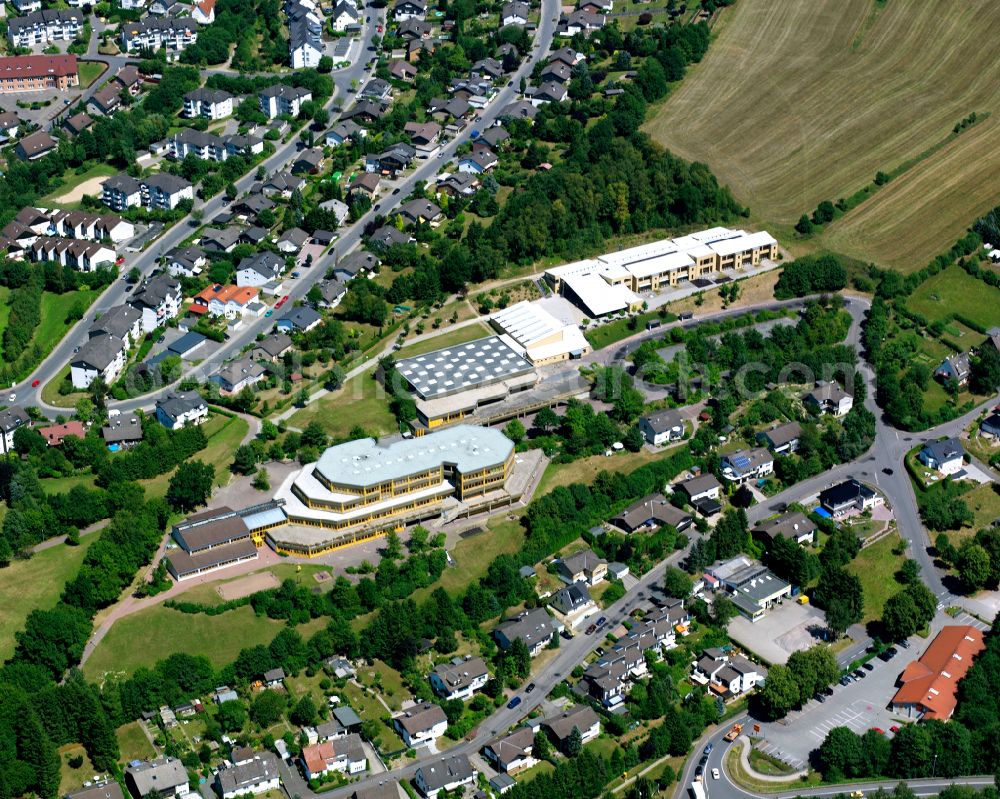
{"type": "Point", "coordinates": [786, 628]}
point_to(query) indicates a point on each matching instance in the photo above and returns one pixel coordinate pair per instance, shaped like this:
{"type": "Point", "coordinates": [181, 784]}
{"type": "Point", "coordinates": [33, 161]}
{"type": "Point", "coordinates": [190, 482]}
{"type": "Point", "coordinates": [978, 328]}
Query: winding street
{"type": "Point", "coordinates": [349, 237]}
{"type": "Point", "coordinates": [886, 454]}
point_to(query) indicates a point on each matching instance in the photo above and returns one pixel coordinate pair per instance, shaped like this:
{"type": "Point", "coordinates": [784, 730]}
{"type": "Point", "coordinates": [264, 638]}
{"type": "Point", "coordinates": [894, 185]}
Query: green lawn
{"type": "Point", "coordinates": [876, 567]}
{"type": "Point", "coordinates": [449, 339]}
{"type": "Point", "coordinates": [586, 469]}
{"type": "Point", "coordinates": [474, 554]}
{"type": "Point", "coordinates": [133, 743]}
{"type": "Point", "coordinates": [368, 707]}
{"type": "Point", "coordinates": [55, 307]}
{"type": "Point", "coordinates": [60, 485]}
{"type": "Point", "coordinates": [4, 308]}
{"type": "Point", "coordinates": [360, 401]}
{"type": "Point", "coordinates": [613, 332]}
{"type": "Point", "coordinates": [224, 435]}
{"type": "Point", "coordinates": [35, 584]}
{"type": "Point", "coordinates": [152, 634]}
{"type": "Point", "coordinates": [952, 291]}
{"type": "Point", "coordinates": [984, 502]}
{"type": "Point", "coordinates": [72, 779]}
{"type": "Point", "coordinates": [89, 72]}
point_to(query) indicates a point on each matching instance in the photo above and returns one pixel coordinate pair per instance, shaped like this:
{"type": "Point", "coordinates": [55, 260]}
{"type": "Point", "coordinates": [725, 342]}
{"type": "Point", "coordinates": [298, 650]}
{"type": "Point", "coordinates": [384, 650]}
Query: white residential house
{"type": "Point", "coordinates": [260, 269]}
{"type": "Point", "coordinates": [746, 465]}
{"type": "Point", "coordinates": [165, 777]}
{"type": "Point", "coordinates": [459, 678]}
{"type": "Point", "coordinates": [345, 755]}
{"type": "Point", "coordinates": [102, 356]}
{"type": "Point", "coordinates": [248, 775]}
{"type": "Point", "coordinates": [282, 100]}
{"type": "Point", "coordinates": [208, 104]}
{"type": "Point", "coordinates": [305, 54]}
{"type": "Point", "coordinates": [448, 774]}
{"type": "Point", "coordinates": [662, 427]}
{"type": "Point", "coordinates": [583, 567]}
{"type": "Point", "coordinates": [11, 420]}
{"type": "Point", "coordinates": [946, 457]}
{"type": "Point", "coordinates": [421, 724]}
{"type": "Point", "coordinates": [203, 12]}
{"type": "Point", "coordinates": [159, 300]}
{"type": "Point", "coordinates": [177, 410]}
{"type": "Point", "coordinates": [344, 15]}
{"type": "Point", "coordinates": [829, 398]}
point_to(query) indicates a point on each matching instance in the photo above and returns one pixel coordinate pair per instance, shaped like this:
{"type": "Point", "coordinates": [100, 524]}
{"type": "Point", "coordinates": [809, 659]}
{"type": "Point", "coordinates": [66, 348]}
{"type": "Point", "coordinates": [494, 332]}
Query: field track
{"type": "Point", "coordinates": [797, 102]}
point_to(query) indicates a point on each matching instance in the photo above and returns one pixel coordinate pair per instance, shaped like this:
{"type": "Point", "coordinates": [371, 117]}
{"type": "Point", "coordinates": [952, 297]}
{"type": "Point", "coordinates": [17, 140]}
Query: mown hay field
{"type": "Point", "coordinates": [799, 102]}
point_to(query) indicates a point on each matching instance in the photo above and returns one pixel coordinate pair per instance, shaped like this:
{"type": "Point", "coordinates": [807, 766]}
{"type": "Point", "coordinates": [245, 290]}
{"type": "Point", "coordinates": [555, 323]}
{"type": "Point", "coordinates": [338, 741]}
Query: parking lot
{"type": "Point", "coordinates": [860, 706]}
{"type": "Point", "coordinates": [784, 629]}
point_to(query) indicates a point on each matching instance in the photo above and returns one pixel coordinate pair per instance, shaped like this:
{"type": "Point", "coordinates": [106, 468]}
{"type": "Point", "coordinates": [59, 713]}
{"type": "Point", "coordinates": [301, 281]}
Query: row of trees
{"type": "Point", "coordinates": [789, 686]}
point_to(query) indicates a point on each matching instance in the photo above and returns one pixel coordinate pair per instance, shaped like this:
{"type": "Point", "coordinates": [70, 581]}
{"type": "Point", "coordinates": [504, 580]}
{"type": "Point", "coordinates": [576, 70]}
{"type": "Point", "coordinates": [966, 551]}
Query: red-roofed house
{"type": "Point", "coordinates": [54, 435]}
{"type": "Point", "coordinates": [204, 12]}
{"type": "Point", "coordinates": [928, 686]}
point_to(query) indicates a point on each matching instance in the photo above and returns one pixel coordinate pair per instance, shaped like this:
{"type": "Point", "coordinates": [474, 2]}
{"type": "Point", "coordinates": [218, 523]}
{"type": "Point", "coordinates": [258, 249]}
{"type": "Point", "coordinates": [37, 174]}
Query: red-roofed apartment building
{"type": "Point", "coordinates": [928, 686]}
{"type": "Point", "coordinates": [36, 73]}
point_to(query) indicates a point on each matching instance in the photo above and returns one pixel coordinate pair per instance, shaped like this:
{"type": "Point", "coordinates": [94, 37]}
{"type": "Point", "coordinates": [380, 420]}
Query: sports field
{"type": "Point", "coordinates": [797, 102]}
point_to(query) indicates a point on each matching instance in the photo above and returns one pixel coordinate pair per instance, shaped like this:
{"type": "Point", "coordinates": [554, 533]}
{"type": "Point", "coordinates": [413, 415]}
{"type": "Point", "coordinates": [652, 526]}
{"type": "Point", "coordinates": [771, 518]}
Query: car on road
{"type": "Point", "coordinates": [887, 470]}
{"type": "Point", "coordinates": [699, 773]}
{"type": "Point", "coordinates": [281, 302]}
{"type": "Point", "coordinates": [708, 749]}
{"type": "Point", "coordinates": [514, 703]}
{"type": "Point", "coordinates": [867, 667]}
{"type": "Point", "coordinates": [395, 191]}
{"type": "Point", "coordinates": [12, 398]}
{"type": "Point", "coordinates": [36, 383]}
{"type": "Point", "coordinates": [857, 795]}
{"type": "Point", "coordinates": [602, 621]}
{"type": "Point", "coordinates": [161, 339]}
{"type": "Point", "coordinates": [269, 312]}
{"type": "Point", "coordinates": [715, 774]}
{"type": "Point", "coordinates": [530, 688]}
{"type": "Point", "coordinates": [296, 274]}
{"type": "Point", "coordinates": [590, 629]}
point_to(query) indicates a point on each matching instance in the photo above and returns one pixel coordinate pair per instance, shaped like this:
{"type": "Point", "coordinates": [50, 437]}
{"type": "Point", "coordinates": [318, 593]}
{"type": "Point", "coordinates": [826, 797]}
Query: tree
{"type": "Point", "coordinates": [839, 594]}
{"type": "Point", "coordinates": [985, 372]}
{"type": "Point", "coordinates": [813, 669]}
{"type": "Point", "coordinates": [779, 694]}
{"type": "Point", "coordinates": [304, 712]}
{"type": "Point", "coordinates": [231, 715]}
{"type": "Point", "coordinates": [546, 419]}
{"type": "Point", "coordinates": [261, 481]}
{"type": "Point", "coordinates": [514, 430]}
{"type": "Point", "coordinates": [246, 458]}
{"type": "Point", "coordinates": [840, 755]}
{"type": "Point", "coordinates": [974, 566]}
{"type": "Point", "coordinates": [190, 486]}
{"type": "Point", "coordinates": [574, 743]}
{"type": "Point", "coordinates": [676, 583]}
{"type": "Point", "coordinates": [909, 572]}
{"type": "Point", "coordinates": [393, 546]}
{"type": "Point", "coordinates": [267, 708]}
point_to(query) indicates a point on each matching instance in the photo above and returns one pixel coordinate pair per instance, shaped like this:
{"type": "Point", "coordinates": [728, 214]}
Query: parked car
{"type": "Point", "coordinates": [819, 697]}
{"type": "Point", "coordinates": [590, 630]}
{"type": "Point", "coordinates": [601, 621]}
{"type": "Point", "coordinates": [859, 674]}
{"type": "Point", "coordinates": [530, 688]}
{"type": "Point", "coordinates": [514, 703]}
{"type": "Point", "coordinates": [845, 680]}
{"type": "Point", "coordinates": [894, 728]}
{"type": "Point", "coordinates": [879, 730]}
{"type": "Point", "coordinates": [867, 667]}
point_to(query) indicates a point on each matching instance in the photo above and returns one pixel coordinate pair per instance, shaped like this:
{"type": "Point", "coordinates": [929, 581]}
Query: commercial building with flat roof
{"type": "Point", "coordinates": [612, 282]}
{"type": "Point", "coordinates": [215, 539]}
{"type": "Point", "coordinates": [362, 488]}
{"type": "Point", "coordinates": [542, 338]}
{"type": "Point", "coordinates": [453, 382]}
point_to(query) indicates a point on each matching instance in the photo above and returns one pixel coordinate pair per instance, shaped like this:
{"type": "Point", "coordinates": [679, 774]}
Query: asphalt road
{"type": "Point", "coordinates": [146, 261]}
{"type": "Point", "coordinates": [349, 237]}
{"type": "Point", "coordinates": [571, 653]}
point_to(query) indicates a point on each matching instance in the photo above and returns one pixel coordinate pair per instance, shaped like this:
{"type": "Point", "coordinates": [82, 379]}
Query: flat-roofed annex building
{"type": "Point", "coordinates": [612, 282]}
{"type": "Point", "coordinates": [453, 382]}
{"type": "Point", "coordinates": [363, 488]}
{"type": "Point", "coordinates": [215, 539]}
{"type": "Point", "coordinates": [534, 331]}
